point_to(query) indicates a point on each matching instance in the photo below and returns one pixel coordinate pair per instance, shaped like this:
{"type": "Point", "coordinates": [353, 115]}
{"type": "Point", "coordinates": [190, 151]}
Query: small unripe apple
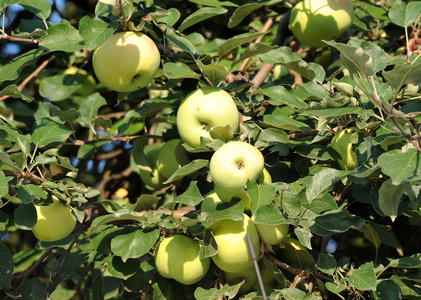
{"type": "Point", "coordinates": [231, 166]}
{"type": "Point", "coordinates": [312, 21]}
{"type": "Point", "coordinates": [54, 221]}
{"type": "Point", "coordinates": [88, 81]}
{"type": "Point", "coordinates": [177, 257]}
{"type": "Point", "coordinates": [152, 180]}
{"type": "Point", "coordinates": [171, 157]}
{"type": "Point", "coordinates": [127, 61]}
{"type": "Point", "coordinates": [233, 253]}
{"type": "Point", "coordinates": [341, 143]}
{"type": "Point", "coordinates": [271, 234]}
{"type": "Point", "coordinates": [249, 276]}
{"type": "Point", "coordinates": [206, 107]}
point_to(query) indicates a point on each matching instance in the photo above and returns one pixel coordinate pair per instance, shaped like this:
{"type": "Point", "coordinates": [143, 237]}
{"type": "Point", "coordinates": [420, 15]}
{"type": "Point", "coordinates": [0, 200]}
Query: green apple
{"type": "Point", "coordinates": [233, 253]}
{"type": "Point", "coordinates": [210, 202]}
{"type": "Point", "coordinates": [312, 21]}
{"type": "Point", "coordinates": [127, 61]}
{"type": "Point", "coordinates": [231, 166]}
{"type": "Point", "coordinates": [54, 221]}
{"type": "Point", "coordinates": [249, 276]}
{"type": "Point", "coordinates": [152, 180]}
{"type": "Point", "coordinates": [177, 257]}
{"type": "Point", "coordinates": [88, 81]}
{"type": "Point", "coordinates": [271, 234]}
{"type": "Point", "coordinates": [206, 107]}
{"type": "Point", "coordinates": [171, 157]}
{"type": "Point", "coordinates": [341, 143]}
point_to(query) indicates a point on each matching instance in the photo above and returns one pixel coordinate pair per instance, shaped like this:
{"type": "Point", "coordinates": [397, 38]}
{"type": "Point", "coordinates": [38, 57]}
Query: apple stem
{"type": "Point", "coordinates": [256, 266]}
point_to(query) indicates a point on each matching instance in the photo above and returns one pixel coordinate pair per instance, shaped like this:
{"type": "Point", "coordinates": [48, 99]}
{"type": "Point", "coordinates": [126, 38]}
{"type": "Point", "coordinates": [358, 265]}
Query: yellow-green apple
{"type": "Point", "coordinates": [341, 143]}
{"type": "Point", "coordinates": [115, 4]}
{"type": "Point", "coordinates": [271, 234]}
{"type": "Point", "coordinates": [177, 257]}
{"type": "Point", "coordinates": [88, 81]}
{"type": "Point", "coordinates": [312, 21]}
{"type": "Point", "coordinates": [233, 252]}
{"type": "Point", "coordinates": [205, 108]}
{"type": "Point", "coordinates": [171, 157]}
{"type": "Point", "coordinates": [54, 221]}
{"type": "Point", "coordinates": [231, 166]}
{"type": "Point", "coordinates": [127, 61]}
{"type": "Point", "coordinates": [249, 276]}
{"type": "Point", "coordinates": [210, 202]}
{"type": "Point", "coordinates": [152, 179]}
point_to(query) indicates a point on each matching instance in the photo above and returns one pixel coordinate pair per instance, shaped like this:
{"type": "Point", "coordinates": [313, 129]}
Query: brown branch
{"type": "Point", "coordinates": [268, 24]}
{"type": "Point", "coordinates": [298, 135]}
{"type": "Point", "coordinates": [18, 39]}
{"type": "Point", "coordinates": [28, 176]}
{"type": "Point", "coordinates": [34, 74]}
{"type": "Point", "coordinates": [297, 77]}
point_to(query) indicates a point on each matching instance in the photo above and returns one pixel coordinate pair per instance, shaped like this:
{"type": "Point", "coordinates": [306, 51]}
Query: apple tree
{"type": "Point", "coordinates": [109, 186]}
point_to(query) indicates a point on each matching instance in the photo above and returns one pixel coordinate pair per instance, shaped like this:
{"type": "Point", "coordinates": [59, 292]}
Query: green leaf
{"type": "Point", "coordinates": [285, 122]}
{"type": "Point", "coordinates": [33, 289]}
{"type": "Point", "coordinates": [405, 14]}
{"type": "Point", "coordinates": [47, 131]}
{"type": "Point", "coordinates": [326, 263]}
{"type": "Point", "coordinates": [279, 95]}
{"type": "Point", "coordinates": [25, 216]}
{"type": "Point", "coordinates": [403, 74]}
{"type": "Point", "coordinates": [179, 70]}
{"type": "Point", "coordinates": [181, 41]}
{"type": "Point", "coordinates": [387, 290]}
{"type": "Point", "coordinates": [213, 72]}
{"type": "Point", "coordinates": [173, 15]}
{"type": "Point", "coordinates": [41, 8]}
{"type": "Point", "coordinates": [253, 49]}
{"type": "Point", "coordinates": [122, 269]}
{"type": "Point", "coordinates": [4, 182]}
{"type": "Point", "coordinates": [371, 234]}
{"type": "Point", "coordinates": [29, 192]}
{"type": "Point", "coordinates": [269, 214]}
{"type": "Point", "coordinates": [336, 289]}
{"type": "Point", "coordinates": [244, 10]}
{"type": "Point", "coordinates": [210, 246]}
{"type": "Point", "coordinates": [389, 198]}
{"type": "Point", "coordinates": [12, 69]}
{"type": "Point", "coordinates": [233, 210]}
{"type": "Point", "coordinates": [361, 57]}
{"type": "Point", "coordinates": [237, 41]}
{"type": "Point", "coordinates": [62, 37]}
{"type": "Point", "coordinates": [338, 221]}
{"type": "Point", "coordinates": [364, 278]}
{"type": "Point", "coordinates": [214, 2]}
{"type": "Point", "coordinates": [95, 31]}
{"type": "Point", "coordinates": [401, 166]}
{"type": "Point", "coordinates": [13, 91]}
{"type": "Point", "coordinates": [89, 109]}
{"type": "Point", "coordinates": [201, 15]}
{"type": "Point", "coordinates": [323, 181]}
{"type": "Point", "coordinates": [134, 244]}
{"type": "Point", "coordinates": [6, 267]}
{"type": "Point", "coordinates": [191, 196]}
{"type": "Point", "coordinates": [188, 169]}
{"type": "Point", "coordinates": [59, 87]}
{"type": "Point", "coordinates": [408, 262]}
{"type": "Point", "coordinates": [338, 112]}
{"type": "Point", "coordinates": [260, 194]}
{"type": "Point", "coordinates": [6, 3]}
{"type": "Point", "coordinates": [214, 293]}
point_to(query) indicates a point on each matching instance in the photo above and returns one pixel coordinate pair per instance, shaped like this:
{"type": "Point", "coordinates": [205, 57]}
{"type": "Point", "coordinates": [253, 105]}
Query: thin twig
{"type": "Point", "coordinates": [34, 74]}
{"type": "Point", "coordinates": [18, 39]}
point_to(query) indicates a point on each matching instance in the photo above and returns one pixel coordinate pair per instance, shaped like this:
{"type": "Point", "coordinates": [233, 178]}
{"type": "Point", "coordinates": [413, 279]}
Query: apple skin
{"type": "Point", "coordinates": [171, 157]}
{"type": "Point", "coordinates": [127, 61]}
{"type": "Point", "coordinates": [88, 81]}
{"type": "Point", "coordinates": [233, 254]}
{"type": "Point", "coordinates": [230, 167]}
{"type": "Point", "coordinates": [234, 278]}
{"type": "Point", "coordinates": [207, 106]}
{"type": "Point", "coordinates": [177, 257]}
{"type": "Point", "coordinates": [312, 21]}
{"type": "Point", "coordinates": [152, 180]}
{"type": "Point", "coordinates": [54, 221]}
{"type": "Point", "coordinates": [341, 143]}
{"type": "Point", "coordinates": [210, 202]}
{"type": "Point", "coordinates": [271, 234]}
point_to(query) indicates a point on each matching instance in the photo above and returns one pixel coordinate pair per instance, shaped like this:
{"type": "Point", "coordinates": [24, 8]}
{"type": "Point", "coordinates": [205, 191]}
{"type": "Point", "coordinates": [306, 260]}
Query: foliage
{"type": "Point", "coordinates": [87, 150]}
